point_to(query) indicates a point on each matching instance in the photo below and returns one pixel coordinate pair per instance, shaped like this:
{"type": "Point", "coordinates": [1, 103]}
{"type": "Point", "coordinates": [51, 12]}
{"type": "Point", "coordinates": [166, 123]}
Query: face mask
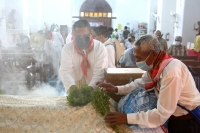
{"type": "Point", "coordinates": [82, 42]}
{"type": "Point", "coordinates": [177, 43]}
{"type": "Point", "coordinates": [158, 36]}
{"type": "Point", "coordinates": [143, 65]}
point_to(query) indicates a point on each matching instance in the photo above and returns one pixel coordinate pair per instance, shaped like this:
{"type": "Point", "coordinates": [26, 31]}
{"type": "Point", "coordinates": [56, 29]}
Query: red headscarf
{"type": "Point", "coordinates": [84, 63]}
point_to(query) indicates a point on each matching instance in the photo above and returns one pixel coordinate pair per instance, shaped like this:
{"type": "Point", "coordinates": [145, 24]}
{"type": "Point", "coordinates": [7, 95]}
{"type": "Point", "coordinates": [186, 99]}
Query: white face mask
{"type": "Point", "coordinates": [177, 43]}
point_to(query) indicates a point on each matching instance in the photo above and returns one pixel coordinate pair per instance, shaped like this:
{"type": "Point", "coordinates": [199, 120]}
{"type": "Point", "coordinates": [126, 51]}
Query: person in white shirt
{"type": "Point", "coordinates": [69, 38]}
{"type": "Point", "coordinates": [130, 42]}
{"type": "Point", "coordinates": [83, 59]}
{"type": "Point", "coordinates": [117, 36]}
{"type": "Point", "coordinates": [173, 83]}
{"type": "Point", "coordinates": [102, 35]}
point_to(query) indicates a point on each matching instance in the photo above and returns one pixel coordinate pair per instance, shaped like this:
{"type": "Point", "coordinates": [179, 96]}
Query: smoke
{"type": "Point", "coordinates": [13, 82]}
{"type": "Point", "coordinates": [20, 88]}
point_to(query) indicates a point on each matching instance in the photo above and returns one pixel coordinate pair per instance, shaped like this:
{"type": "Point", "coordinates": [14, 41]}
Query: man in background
{"type": "Point", "coordinates": [163, 42]}
{"type": "Point", "coordinates": [178, 49]}
{"type": "Point", "coordinates": [102, 35]}
{"type": "Point", "coordinates": [126, 32]}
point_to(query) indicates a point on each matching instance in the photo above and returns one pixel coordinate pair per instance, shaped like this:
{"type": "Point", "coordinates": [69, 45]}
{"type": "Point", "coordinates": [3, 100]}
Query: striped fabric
{"type": "Point", "coordinates": [177, 51]}
{"type": "Point", "coordinates": [136, 101]}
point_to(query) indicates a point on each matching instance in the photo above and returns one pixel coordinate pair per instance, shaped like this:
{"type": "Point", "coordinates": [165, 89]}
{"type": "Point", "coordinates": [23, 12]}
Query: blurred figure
{"type": "Point", "coordinates": [53, 48]}
{"type": "Point", "coordinates": [11, 19]}
{"type": "Point", "coordinates": [197, 42]}
{"type": "Point", "coordinates": [126, 32]}
{"type": "Point", "coordinates": [22, 40]}
{"type": "Point", "coordinates": [102, 35]}
{"type": "Point", "coordinates": [110, 33]}
{"type": "Point", "coordinates": [163, 42]}
{"type": "Point", "coordinates": [93, 31]}
{"type": "Point", "coordinates": [178, 49]}
{"type": "Point", "coordinates": [128, 59]}
{"type": "Point", "coordinates": [117, 36]}
{"type": "Point", "coordinates": [69, 36]}
{"type": "Point", "coordinates": [130, 42]}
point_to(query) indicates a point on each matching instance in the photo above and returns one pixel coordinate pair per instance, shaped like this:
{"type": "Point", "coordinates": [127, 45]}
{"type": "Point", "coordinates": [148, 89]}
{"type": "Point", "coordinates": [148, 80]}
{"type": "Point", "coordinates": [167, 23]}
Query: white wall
{"type": "Point", "coordinates": [130, 11]}
{"type": "Point", "coordinates": [164, 24]}
{"type": "Point", "coordinates": [189, 13]}
{"type": "Point", "coordinates": [61, 12]}
{"type": "Point", "coordinates": [151, 8]}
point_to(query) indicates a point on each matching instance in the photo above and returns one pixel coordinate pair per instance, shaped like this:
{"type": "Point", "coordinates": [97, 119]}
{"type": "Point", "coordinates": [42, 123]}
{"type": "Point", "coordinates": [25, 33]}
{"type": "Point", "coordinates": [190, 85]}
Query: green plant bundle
{"type": "Point", "coordinates": [99, 99]}
{"type": "Point", "coordinates": [79, 97]}
{"type": "Point", "coordinates": [100, 102]}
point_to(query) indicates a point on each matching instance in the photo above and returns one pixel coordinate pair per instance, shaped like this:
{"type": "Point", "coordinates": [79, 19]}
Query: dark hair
{"type": "Point", "coordinates": [130, 39]}
{"type": "Point", "coordinates": [110, 29]}
{"type": "Point", "coordinates": [82, 23]}
{"type": "Point", "coordinates": [101, 30]}
{"type": "Point", "coordinates": [125, 27]}
{"type": "Point", "coordinates": [116, 29]}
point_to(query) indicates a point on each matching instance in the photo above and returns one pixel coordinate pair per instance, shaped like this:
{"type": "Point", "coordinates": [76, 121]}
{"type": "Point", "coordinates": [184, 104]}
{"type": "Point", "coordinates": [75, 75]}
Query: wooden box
{"type": "Point", "coordinates": [122, 76]}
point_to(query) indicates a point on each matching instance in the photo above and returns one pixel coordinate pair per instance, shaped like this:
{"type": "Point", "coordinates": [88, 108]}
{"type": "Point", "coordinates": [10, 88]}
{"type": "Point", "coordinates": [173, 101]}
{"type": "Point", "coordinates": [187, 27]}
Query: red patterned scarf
{"type": "Point", "coordinates": [84, 63]}
{"type": "Point", "coordinates": [156, 66]}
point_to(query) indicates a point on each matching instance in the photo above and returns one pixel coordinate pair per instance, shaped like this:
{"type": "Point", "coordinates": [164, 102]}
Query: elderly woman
{"type": "Point", "coordinates": [172, 83]}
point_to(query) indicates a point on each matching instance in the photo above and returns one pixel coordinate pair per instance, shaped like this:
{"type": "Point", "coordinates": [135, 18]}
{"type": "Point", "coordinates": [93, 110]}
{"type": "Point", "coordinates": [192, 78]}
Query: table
{"type": "Point", "coordinates": [122, 76]}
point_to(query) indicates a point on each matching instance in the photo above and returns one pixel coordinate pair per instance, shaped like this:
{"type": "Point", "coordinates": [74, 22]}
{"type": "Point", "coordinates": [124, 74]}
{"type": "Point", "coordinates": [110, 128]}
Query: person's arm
{"type": "Point", "coordinates": [100, 64]}
{"type": "Point", "coordinates": [66, 68]}
{"type": "Point", "coordinates": [137, 83]}
{"type": "Point", "coordinates": [170, 90]}
{"type": "Point", "coordinates": [111, 56]}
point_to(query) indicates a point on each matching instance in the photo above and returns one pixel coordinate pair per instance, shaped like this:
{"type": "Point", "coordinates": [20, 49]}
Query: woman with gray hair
{"type": "Point", "coordinates": [172, 83]}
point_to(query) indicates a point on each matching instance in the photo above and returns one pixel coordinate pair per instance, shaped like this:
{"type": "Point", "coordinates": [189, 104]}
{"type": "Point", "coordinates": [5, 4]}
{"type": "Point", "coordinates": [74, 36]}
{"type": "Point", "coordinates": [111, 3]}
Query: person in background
{"type": "Point", "coordinates": [69, 37]}
{"type": "Point", "coordinates": [117, 36]}
{"type": "Point", "coordinates": [172, 83]}
{"type": "Point", "coordinates": [11, 19]}
{"type": "Point", "coordinates": [84, 59]}
{"type": "Point", "coordinates": [102, 35]}
{"type": "Point", "coordinates": [22, 40]}
{"type": "Point", "coordinates": [128, 59]}
{"type": "Point", "coordinates": [197, 42]}
{"type": "Point", "coordinates": [93, 31]}
{"type": "Point", "coordinates": [163, 42]}
{"type": "Point", "coordinates": [130, 43]}
{"type": "Point", "coordinates": [126, 32]}
{"type": "Point", "coordinates": [111, 34]}
{"type": "Point", "coordinates": [177, 49]}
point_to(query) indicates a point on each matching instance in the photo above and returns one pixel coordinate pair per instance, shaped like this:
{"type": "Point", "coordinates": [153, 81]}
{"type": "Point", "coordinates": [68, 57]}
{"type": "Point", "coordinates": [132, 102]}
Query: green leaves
{"type": "Point", "coordinates": [79, 97]}
{"type": "Point", "coordinates": [100, 102]}
{"type": "Point", "coordinates": [84, 95]}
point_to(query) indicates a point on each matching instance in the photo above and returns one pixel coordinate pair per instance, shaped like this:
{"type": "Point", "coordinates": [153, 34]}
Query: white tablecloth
{"type": "Point", "coordinates": [34, 114]}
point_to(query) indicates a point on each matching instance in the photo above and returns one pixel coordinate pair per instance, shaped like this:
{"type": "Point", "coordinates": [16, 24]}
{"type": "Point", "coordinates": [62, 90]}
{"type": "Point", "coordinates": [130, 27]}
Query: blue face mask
{"type": "Point", "coordinates": [143, 65]}
{"type": "Point", "coordinates": [177, 43]}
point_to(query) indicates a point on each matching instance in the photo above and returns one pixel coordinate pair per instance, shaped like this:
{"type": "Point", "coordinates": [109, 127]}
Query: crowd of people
{"type": "Point", "coordinates": [90, 50]}
{"type": "Point", "coordinates": [86, 58]}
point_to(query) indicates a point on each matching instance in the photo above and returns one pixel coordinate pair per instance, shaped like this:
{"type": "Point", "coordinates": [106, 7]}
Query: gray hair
{"type": "Point", "coordinates": [148, 43]}
{"type": "Point", "coordinates": [178, 38]}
